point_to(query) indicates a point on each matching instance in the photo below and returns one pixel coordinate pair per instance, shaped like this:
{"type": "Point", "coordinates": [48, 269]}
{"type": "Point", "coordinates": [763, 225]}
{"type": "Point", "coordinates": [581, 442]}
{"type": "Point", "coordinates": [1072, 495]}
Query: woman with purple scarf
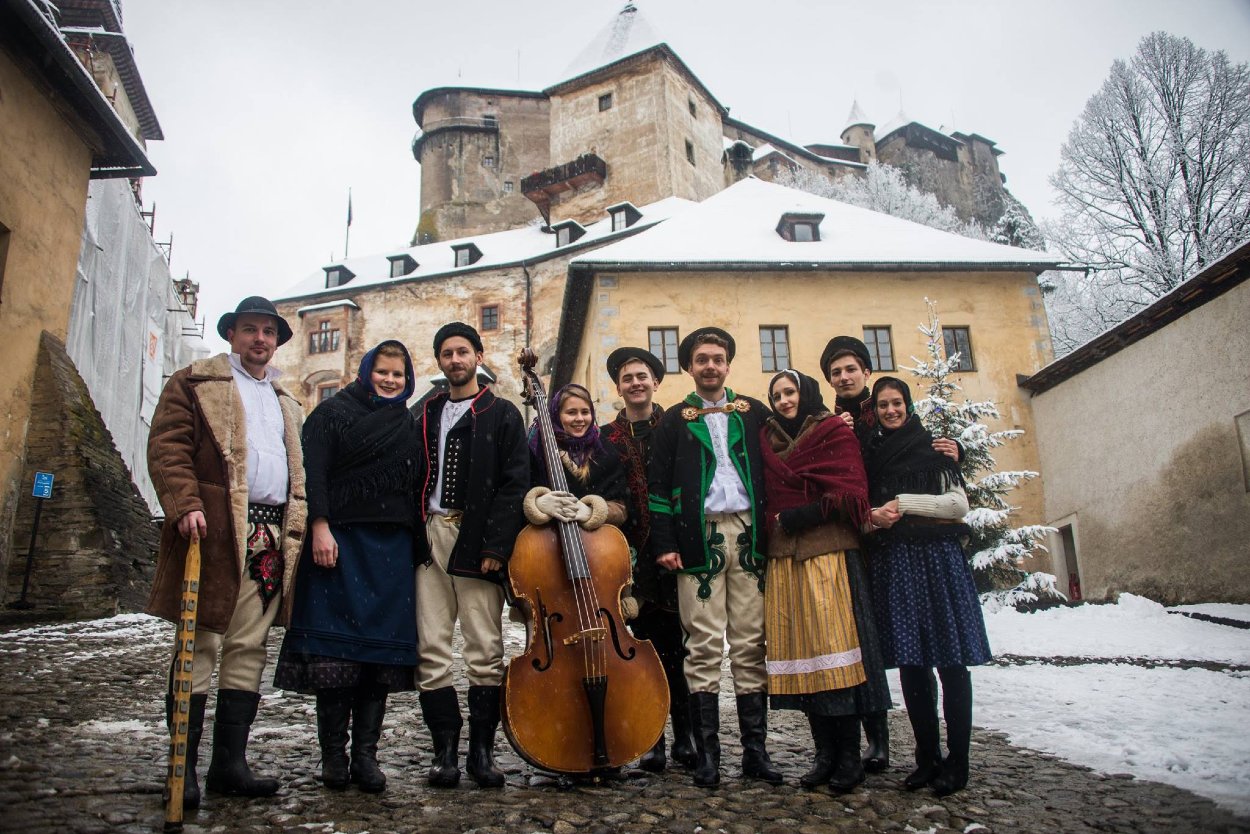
{"type": "Point", "coordinates": [597, 490]}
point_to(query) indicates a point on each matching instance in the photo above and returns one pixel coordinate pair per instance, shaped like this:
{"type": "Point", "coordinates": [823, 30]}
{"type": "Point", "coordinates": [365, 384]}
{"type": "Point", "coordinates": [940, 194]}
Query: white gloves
{"type": "Point", "coordinates": [543, 506]}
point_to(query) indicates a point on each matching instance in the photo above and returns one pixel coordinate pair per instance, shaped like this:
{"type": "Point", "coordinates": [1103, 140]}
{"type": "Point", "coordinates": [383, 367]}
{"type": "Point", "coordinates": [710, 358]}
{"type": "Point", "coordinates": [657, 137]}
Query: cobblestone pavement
{"type": "Point", "coordinates": [82, 749]}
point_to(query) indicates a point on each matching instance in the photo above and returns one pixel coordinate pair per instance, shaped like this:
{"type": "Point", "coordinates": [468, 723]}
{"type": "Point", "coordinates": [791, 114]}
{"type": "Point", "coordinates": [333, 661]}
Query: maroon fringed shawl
{"type": "Point", "coordinates": [824, 465]}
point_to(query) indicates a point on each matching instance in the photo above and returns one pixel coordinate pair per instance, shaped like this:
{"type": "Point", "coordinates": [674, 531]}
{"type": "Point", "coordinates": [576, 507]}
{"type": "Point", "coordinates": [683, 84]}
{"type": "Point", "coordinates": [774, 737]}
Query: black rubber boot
{"type": "Point", "coordinates": [654, 760]}
{"type": "Point", "coordinates": [705, 713]}
{"type": "Point", "coordinates": [848, 768]}
{"type": "Point", "coordinates": [753, 724]}
{"type": "Point", "coordinates": [195, 731]}
{"type": "Point", "coordinates": [918, 695]}
{"type": "Point", "coordinates": [823, 761]}
{"type": "Point", "coordinates": [334, 709]}
{"type": "Point", "coordinates": [683, 751]}
{"type": "Point", "coordinates": [877, 732]}
{"type": "Point", "coordinates": [368, 709]}
{"type": "Point", "coordinates": [483, 721]}
{"type": "Point", "coordinates": [440, 709]}
{"type": "Point", "coordinates": [952, 776]}
{"type": "Point", "coordinates": [228, 772]}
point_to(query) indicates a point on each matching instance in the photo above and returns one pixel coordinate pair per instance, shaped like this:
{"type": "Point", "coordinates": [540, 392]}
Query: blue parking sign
{"type": "Point", "coordinates": [43, 485]}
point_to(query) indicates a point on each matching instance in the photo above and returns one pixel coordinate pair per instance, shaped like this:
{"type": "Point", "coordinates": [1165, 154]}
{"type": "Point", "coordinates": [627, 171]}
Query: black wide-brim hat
{"type": "Point", "coordinates": [685, 351]}
{"type": "Point", "coordinates": [259, 306]}
{"type": "Point", "coordinates": [839, 345]}
{"type": "Point", "coordinates": [620, 356]}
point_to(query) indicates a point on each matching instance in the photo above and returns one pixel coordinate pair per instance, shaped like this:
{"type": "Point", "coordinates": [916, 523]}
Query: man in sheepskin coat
{"type": "Point", "coordinates": [225, 458]}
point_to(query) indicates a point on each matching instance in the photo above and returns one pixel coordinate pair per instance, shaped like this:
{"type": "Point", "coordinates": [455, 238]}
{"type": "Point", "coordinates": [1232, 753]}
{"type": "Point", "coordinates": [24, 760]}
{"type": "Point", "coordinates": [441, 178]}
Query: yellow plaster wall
{"type": "Point", "coordinates": [44, 169]}
{"type": "Point", "coordinates": [1003, 311]}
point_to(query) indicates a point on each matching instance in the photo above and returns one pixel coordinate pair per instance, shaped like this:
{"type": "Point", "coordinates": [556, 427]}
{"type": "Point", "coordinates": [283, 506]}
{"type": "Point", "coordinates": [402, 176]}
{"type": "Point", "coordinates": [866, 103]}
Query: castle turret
{"type": "Point", "coordinates": [859, 132]}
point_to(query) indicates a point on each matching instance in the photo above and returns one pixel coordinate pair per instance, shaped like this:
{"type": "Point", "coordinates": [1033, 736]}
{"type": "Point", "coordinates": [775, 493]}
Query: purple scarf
{"type": "Point", "coordinates": [579, 449]}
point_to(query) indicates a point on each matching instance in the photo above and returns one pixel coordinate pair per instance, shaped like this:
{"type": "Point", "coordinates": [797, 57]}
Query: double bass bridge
{"type": "Point", "coordinates": [590, 635]}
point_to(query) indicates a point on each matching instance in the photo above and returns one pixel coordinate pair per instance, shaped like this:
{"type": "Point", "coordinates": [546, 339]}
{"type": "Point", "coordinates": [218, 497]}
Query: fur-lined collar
{"type": "Point", "coordinates": [218, 368]}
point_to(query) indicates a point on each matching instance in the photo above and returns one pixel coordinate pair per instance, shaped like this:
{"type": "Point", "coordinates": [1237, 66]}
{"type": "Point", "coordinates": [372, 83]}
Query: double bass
{"type": "Point", "coordinates": [585, 695]}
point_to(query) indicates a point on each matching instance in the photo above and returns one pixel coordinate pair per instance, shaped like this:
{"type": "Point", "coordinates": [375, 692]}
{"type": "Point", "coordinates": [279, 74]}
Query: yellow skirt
{"type": "Point", "coordinates": [813, 645]}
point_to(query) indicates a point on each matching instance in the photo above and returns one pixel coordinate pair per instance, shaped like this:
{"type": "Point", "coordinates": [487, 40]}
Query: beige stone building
{"type": "Point", "coordinates": [58, 131]}
{"type": "Point", "coordinates": [1143, 437]}
{"type": "Point", "coordinates": [783, 271]}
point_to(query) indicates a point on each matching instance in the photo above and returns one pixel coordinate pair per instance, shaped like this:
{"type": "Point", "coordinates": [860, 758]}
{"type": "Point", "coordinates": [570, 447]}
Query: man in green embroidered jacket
{"type": "Point", "coordinates": [706, 496]}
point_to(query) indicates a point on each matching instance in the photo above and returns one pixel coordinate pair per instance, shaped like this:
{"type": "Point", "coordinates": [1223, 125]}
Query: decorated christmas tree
{"type": "Point", "coordinates": [996, 546]}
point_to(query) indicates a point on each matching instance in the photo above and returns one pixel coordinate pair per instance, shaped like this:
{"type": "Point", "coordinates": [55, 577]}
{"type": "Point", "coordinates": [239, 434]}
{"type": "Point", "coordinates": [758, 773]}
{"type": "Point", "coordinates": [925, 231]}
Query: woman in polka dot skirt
{"type": "Point", "coordinates": [926, 604]}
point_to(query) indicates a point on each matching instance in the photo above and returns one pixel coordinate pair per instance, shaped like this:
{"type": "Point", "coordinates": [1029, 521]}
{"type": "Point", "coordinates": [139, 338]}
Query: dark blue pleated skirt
{"type": "Point", "coordinates": [927, 608]}
{"type": "Point", "coordinates": [355, 622]}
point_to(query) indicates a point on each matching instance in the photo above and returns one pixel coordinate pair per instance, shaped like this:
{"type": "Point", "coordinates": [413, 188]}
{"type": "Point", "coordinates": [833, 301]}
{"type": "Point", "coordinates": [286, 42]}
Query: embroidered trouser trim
{"type": "Point", "coordinates": [241, 649]}
{"type": "Point", "coordinates": [730, 609]}
{"type": "Point", "coordinates": [441, 601]}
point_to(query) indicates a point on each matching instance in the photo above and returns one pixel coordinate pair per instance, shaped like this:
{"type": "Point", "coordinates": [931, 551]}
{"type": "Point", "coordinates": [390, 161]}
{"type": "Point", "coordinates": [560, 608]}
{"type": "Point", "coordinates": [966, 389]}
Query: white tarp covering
{"type": "Point", "coordinates": [128, 329]}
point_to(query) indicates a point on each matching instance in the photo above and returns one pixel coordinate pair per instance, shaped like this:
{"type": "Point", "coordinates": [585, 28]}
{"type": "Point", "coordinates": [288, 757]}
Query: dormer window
{"type": "Point", "coordinates": [466, 254]}
{"type": "Point", "coordinates": [800, 228]}
{"type": "Point", "coordinates": [401, 265]}
{"type": "Point", "coordinates": [567, 232]}
{"type": "Point", "coordinates": [338, 275]}
{"type": "Point", "coordinates": [623, 215]}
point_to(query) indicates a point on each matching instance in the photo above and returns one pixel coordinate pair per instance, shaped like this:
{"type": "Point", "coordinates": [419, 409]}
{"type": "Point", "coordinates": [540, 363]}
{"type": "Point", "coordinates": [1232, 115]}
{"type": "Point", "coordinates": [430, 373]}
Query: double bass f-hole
{"type": "Point", "coordinates": [548, 643]}
{"type": "Point", "coordinates": [616, 640]}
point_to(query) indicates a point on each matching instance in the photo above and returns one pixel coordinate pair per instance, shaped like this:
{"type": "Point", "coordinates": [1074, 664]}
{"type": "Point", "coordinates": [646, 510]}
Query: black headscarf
{"type": "Point", "coordinates": [810, 401]}
{"type": "Point", "coordinates": [373, 438]}
{"type": "Point", "coordinates": [903, 460]}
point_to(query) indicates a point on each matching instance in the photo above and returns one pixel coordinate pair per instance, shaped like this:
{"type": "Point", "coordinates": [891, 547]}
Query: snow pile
{"type": "Point", "coordinates": [1135, 627]}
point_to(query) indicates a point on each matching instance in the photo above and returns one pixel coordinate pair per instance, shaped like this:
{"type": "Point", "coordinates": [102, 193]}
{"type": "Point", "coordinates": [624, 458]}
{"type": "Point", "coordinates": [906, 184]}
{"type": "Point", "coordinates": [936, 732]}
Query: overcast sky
{"type": "Point", "coordinates": [272, 110]}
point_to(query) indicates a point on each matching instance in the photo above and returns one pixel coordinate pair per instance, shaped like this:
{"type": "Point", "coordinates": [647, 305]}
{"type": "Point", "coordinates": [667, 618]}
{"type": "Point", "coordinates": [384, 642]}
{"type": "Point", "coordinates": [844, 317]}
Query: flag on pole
{"type": "Point", "coordinates": [349, 207]}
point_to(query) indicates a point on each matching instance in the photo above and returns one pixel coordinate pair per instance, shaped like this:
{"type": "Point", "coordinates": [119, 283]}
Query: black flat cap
{"type": "Point", "coordinates": [618, 358]}
{"type": "Point", "coordinates": [457, 328]}
{"type": "Point", "coordinates": [685, 351]}
{"type": "Point", "coordinates": [839, 345]}
{"type": "Point", "coordinates": [259, 306]}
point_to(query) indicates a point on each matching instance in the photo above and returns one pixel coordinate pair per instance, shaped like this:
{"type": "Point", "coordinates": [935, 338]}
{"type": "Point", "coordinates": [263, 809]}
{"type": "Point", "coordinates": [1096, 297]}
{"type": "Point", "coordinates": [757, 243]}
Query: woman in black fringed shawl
{"type": "Point", "coordinates": [822, 643]}
{"type": "Point", "coordinates": [352, 636]}
{"type": "Point", "coordinates": [926, 604]}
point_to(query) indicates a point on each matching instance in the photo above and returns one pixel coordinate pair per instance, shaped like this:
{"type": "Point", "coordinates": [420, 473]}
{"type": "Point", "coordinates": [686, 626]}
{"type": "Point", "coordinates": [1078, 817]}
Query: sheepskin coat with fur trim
{"type": "Point", "coordinates": [197, 456]}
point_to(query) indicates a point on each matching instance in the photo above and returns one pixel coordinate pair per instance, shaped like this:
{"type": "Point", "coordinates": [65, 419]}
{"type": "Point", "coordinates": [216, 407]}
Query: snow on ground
{"type": "Point", "coordinates": [1184, 727]}
{"type": "Point", "coordinates": [1227, 610]}
{"type": "Point", "coordinates": [1134, 627]}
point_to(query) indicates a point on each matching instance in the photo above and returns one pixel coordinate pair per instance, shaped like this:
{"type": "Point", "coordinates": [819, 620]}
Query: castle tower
{"type": "Point", "coordinates": [474, 145]}
{"type": "Point", "coordinates": [630, 121]}
{"type": "Point", "coordinates": [859, 132]}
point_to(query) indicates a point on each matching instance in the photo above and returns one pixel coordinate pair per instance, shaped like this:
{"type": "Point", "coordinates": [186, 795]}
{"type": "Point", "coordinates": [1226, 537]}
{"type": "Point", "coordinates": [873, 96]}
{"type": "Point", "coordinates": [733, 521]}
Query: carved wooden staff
{"type": "Point", "coordinates": [184, 659]}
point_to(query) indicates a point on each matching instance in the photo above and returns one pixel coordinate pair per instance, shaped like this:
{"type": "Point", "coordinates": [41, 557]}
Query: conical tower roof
{"type": "Point", "coordinates": [856, 117]}
{"type": "Point", "coordinates": [629, 33]}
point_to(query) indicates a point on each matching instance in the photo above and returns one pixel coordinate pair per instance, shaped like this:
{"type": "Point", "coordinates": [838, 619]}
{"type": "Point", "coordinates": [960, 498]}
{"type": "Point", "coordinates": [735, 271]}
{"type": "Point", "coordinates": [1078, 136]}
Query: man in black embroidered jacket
{"type": "Point", "coordinates": [472, 482]}
{"type": "Point", "coordinates": [637, 374]}
{"type": "Point", "coordinates": [706, 494]}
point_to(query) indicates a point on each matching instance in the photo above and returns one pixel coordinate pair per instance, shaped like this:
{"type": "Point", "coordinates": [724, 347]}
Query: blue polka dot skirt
{"type": "Point", "coordinates": [926, 606]}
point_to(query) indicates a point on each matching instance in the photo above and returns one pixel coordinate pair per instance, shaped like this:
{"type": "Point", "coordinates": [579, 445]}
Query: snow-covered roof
{"type": "Point", "coordinates": [498, 249]}
{"type": "Point", "coordinates": [856, 116]}
{"type": "Point", "coordinates": [900, 119]}
{"type": "Point", "coordinates": [325, 305]}
{"type": "Point", "coordinates": [767, 149]}
{"type": "Point", "coordinates": [738, 227]}
{"type": "Point", "coordinates": [628, 34]}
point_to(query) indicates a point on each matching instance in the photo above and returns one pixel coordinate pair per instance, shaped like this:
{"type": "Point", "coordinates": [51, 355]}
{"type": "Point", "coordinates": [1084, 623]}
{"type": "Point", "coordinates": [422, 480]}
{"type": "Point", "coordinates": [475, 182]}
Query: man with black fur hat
{"type": "Point", "coordinates": [637, 374]}
{"type": "Point", "coordinates": [472, 481]}
{"type": "Point", "coordinates": [706, 494]}
{"type": "Point", "coordinates": [847, 365]}
{"type": "Point", "coordinates": [225, 457]}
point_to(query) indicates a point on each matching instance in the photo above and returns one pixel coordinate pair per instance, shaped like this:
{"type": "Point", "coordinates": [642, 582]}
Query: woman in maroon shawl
{"type": "Point", "coordinates": [822, 652]}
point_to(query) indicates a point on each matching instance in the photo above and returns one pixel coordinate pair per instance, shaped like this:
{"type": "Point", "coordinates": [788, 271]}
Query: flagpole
{"type": "Point", "coordinates": [347, 239]}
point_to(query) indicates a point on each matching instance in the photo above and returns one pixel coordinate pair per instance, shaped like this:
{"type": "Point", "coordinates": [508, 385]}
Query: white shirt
{"type": "Point", "coordinates": [267, 472]}
{"type": "Point", "coordinates": [453, 410]}
{"type": "Point", "coordinates": [725, 494]}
